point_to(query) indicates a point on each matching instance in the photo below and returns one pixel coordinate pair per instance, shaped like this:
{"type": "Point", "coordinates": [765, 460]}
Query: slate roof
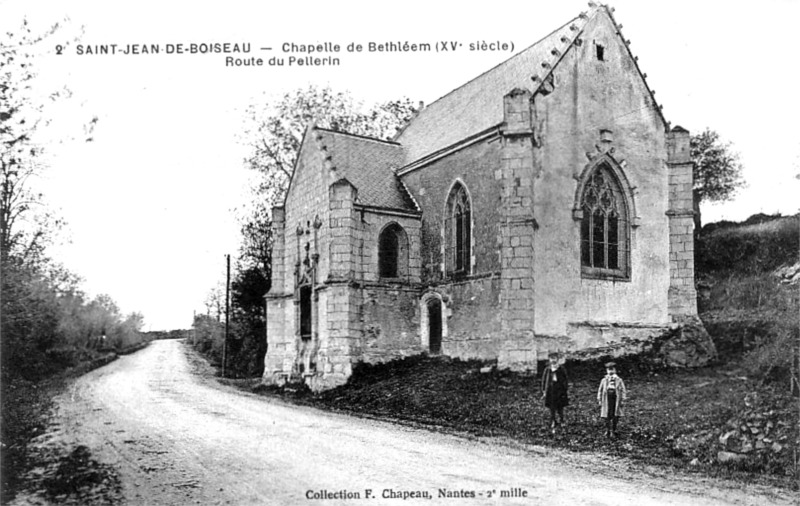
{"type": "Point", "coordinates": [368, 164]}
{"type": "Point", "coordinates": [477, 105]}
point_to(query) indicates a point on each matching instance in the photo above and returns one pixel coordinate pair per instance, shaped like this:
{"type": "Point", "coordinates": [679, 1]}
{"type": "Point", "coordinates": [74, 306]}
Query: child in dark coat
{"type": "Point", "coordinates": [554, 390]}
{"type": "Point", "coordinates": [610, 396]}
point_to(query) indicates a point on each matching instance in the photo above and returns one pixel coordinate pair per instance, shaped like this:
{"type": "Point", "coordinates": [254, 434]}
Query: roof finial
{"type": "Point", "coordinates": [592, 5]}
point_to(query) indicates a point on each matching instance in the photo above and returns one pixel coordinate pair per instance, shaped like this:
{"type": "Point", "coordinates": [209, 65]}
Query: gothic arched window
{"type": "Point", "coordinates": [458, 232]}
{"type": "Point", "coordinates": [605, 230]}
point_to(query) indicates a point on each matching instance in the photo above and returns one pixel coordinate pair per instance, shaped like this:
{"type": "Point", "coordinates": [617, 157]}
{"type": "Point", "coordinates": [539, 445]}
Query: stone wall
{"type": "Point", "coordinates": [390, 319]}
{"type": "Point", "coordinates": [372, 223]}
{"type": "Point", "coordinates": [302, 236]}
{"type": "Point", "coordinates": [598, 109]}
{"type": "Point", "coordinates": [682, 293]}
{"type": "Point", "coordinates": [474, 166]}
{"type": "Point", "coordinates": [517, 228]}
{"type": "Point", "coordinates": [474, 321]}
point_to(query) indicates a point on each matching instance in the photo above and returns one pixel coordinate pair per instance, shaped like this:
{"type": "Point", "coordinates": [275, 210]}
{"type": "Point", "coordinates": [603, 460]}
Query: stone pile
{"type": "Point", "coordinates": [789, 274]}
{"type": "Point", "coordinates": [752, 432]}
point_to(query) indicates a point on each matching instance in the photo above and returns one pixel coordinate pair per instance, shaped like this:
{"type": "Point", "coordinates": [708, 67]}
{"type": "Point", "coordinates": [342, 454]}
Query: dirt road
{"type": "Point", "coordinates": [177, 437]}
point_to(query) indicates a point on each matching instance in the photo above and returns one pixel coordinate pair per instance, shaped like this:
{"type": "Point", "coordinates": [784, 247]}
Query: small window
{"type": "Point", "coordinates": [604, 227]}
{"type": "Point", "coordinates": [392, 252]}
{"type": "Point", "coordinates": [305, 313]}
{"type": "Point", "coordinates": [601, 52]}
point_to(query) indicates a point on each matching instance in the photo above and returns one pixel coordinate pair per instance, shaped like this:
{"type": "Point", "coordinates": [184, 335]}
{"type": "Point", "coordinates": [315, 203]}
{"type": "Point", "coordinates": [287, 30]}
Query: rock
{"type": "Point", "coordinates": [776, 447]}
{"type": "Point", "coordinates": [725, 439]}
{"type": "Point", "coordinates": [487, 369]}
{"type": "Point", "coordinates": [688, 345]}
{"type": "Point", "coordinates": [695, 462]}
{"type": "Point", "coordinates": [724, 457]}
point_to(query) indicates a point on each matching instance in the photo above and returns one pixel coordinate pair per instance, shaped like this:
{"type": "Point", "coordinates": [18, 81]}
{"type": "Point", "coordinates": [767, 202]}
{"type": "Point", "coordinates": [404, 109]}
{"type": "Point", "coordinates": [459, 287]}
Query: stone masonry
{"type": "Point", "coordinates": [517, 227]}
{"type": "Point", "coordinates": [479, 209]}
{"type": "Point", "coordinates": [682, 293]}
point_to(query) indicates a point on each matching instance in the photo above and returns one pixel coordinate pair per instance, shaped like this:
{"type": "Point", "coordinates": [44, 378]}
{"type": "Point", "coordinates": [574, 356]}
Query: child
{"type": "Point", "coordinates": [610, 395]}
{"type": "Point", "coordinates": [554, 390]}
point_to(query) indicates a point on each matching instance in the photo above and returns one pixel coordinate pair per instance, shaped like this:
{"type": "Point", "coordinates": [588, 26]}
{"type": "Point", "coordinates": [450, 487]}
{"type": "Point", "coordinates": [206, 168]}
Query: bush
{"type": "Point", "coordinates": [66, 356]}
{"type": "Point", "coordinates": [748, 310]}
{"type": "Point", "coordinates": [771, 358]}
{"type": "Point", "coordinates": [751, 247]}
{"type": "Point", "coordinates": [209, 336]}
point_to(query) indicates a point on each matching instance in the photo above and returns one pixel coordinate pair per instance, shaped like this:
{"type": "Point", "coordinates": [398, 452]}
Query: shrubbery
{"type": "Point", "coordinates": [48, 324]}
{"type": "Point", "coordinates": [747, 309]}
{"type": "Point", "coordinates": [247, 340]}
{"type": "Point", "coordinates": [758, 245]}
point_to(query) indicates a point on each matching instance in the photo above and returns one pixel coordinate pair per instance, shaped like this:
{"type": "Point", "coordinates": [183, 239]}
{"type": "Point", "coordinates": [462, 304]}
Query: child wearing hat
{"type": "Point", "coordinates": [610, 396]}
{"type": "Point", "coordinates": [554, 390]}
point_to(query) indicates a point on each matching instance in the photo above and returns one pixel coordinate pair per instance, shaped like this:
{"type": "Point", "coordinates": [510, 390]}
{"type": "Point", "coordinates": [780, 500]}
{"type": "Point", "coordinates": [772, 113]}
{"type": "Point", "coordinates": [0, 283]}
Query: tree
{"type": "Point", "coordinates": [25, 222]}
{"type": "Point", "coordinates": [274, 132]}
{"type": "Point", "coordinates": [248, 345]}
{"type": "Point", "coordinates": [717, 170]}
{"type": "Point", "coordinates": [19, 120]}
{"type": "Point", "coordinates": [45, 321]}
{"type": "Point", "coordinates": [29, 315]}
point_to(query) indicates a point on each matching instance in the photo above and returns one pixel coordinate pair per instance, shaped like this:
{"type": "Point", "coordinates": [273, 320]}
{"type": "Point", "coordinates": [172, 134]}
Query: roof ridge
{"type": "Point", "coordinates": [627, 43]}
{"type": "Point", "coordinates": [358, 136]}
{"type": "Point", "coordinates": [408, 192]}
{"type": "Point", "coordinates": [309, 126]}
{"type": "Point", "coordinates": [560, 55]}
{"type": "Point", "coordinates": [504, 61]}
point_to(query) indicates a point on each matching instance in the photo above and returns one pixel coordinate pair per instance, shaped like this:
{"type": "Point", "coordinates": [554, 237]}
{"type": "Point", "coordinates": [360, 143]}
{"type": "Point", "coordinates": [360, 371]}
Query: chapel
{"type": "Point", "coordinates": [545, 205]}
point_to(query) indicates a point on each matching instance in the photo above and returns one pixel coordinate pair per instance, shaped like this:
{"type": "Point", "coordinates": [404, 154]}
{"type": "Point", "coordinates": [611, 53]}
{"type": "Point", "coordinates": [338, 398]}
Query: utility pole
{"type": "Point", "coordinates": [227, 314]}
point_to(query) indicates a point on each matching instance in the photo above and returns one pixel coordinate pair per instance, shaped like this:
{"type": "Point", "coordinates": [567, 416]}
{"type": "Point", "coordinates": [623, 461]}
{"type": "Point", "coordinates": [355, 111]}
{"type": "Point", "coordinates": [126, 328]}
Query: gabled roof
{"type": "Point", "coordinates": [477, 105]}
{"type": "Point", "coordinates": [368, 165]}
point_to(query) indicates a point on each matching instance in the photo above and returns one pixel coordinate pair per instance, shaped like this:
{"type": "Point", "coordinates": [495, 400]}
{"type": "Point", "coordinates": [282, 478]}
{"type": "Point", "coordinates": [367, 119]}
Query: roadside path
{"type": "Point", "coordinates": [178, 437]}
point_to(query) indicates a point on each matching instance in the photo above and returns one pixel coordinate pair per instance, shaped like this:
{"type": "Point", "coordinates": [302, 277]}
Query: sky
{"type": "Point", "coordinates": [151, 202]}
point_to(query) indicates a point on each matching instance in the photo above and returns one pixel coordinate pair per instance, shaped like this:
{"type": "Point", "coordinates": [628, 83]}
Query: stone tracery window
{"type": "Point", "coordinates": [458, 232]}
{"type": "Point", "coordinates": [605, 230]}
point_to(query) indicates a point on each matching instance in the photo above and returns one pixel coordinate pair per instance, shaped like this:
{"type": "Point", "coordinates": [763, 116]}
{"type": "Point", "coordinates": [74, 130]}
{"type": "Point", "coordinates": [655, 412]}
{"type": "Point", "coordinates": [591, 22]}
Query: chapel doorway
{"type": "Point", "coordinates": [305, 312]}
{"type": "Point", "coordinates": [435, 326]}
